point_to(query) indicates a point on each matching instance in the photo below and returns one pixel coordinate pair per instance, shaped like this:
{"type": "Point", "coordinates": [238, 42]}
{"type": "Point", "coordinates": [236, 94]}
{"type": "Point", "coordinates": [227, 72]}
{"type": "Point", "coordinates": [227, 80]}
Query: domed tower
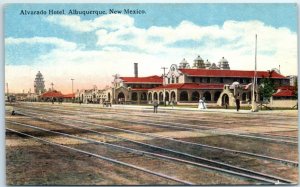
{"type": "Point", "coordinates": [207, 64]}
{"type": "Point", "coordinates": [184, 64]}
{"type": "Point", "coordinates": [223, 64]}
{"type": "Point", "coordinates": [39, 83]}
{"type": "Point", "coordinates": [198, 63]}
{"type": "Point", "coordinates": [213, 66]}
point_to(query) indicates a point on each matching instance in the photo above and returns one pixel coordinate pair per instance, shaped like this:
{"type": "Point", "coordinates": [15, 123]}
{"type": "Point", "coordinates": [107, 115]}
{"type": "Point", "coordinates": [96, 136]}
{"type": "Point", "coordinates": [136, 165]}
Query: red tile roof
{"type": "Point", "coordinates": [284, 93]}
{"type": "Point", "coordinates": [228, 73]}
{"type": "Point", "coordinates": [72, 95]}
{"type": "Point", "coordinates": [183, 86]}
{"type": "Point", "coordinates": [53, 93]}
{"type": "Point", "coordinates": [151, 79]}
{"type": "Point", "coordinates": [140, 89]}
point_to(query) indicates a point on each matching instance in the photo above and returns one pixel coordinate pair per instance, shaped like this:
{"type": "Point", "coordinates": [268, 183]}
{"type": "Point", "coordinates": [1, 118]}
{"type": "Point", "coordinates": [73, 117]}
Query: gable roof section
{"type": "Point", "coordinates": [228, 73]}
{"type": "Point", "coordinates": [71, 95]}
{"type": "Point", "coordinates": [150, 79]}
{"type": "Point", "coordinates": [284, 93]}
{"type": "Point", "coordinates": [53, 93]}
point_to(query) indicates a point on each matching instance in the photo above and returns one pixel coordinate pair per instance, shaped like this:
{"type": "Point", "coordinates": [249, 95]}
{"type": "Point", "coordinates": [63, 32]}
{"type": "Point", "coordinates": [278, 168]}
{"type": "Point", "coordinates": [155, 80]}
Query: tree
{"type": "Point", "coordinates": [266, 88]}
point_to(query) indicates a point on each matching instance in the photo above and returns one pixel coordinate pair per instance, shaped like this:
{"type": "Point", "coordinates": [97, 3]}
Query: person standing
{"type": "Point", "coordinates": [238, 105]}
{"type": "Point", "coordinates": [155, 106]}
{"type": "Point", "coordinates": [201, 104]}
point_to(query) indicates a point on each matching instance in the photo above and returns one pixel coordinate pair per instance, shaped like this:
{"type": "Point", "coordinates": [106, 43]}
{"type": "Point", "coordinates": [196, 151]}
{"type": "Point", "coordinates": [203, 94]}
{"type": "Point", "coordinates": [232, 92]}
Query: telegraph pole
{"type": "Point", "coordinates": [7, 89]}
{"type": "Point", "coordinates": [164, 83]}
{"type": "Point", "coordinates": [164, 68]}
{"type": "Point", "coordinates": [254, 106]}
{"type": "Point", "coordinates": [52, 85]}
{"type": "Point", "coordinates": [72, 84]}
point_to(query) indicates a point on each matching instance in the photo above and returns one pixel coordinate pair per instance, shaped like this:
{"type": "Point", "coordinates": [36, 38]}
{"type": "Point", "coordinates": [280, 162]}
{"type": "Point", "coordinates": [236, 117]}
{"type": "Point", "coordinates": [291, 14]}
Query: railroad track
{"type": "Point", "coordinates": [184, 127]}
{"type": "Point", "coordinates": [196, 117]}
{"type": "Point", "coordinates": [269, 179]}
{"type": "Point", "coordinates": [156, 147]}
{"type": "Point", "coordinates": [86, 121]}
{"type": "Point", "coordinates": [104, 158]}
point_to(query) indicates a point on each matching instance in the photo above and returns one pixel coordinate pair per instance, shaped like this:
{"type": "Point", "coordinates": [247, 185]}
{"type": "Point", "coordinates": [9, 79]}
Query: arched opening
{"type": "Point", "coordinates": [183, 96]}
{"type": "Point", "coordinates": [225, 100]}
{"type": "Point", "coordinates": [161, 96]}
{"type": "Point", "coordinates": [155, 96]}
{"type": "Point", "coordinates": [244, 96]}
{"type": "Point", "coordinates": [150, 96]}
{"type": "Point", "coordinates": [134, 96]}
{"type": "Point", "coordinates": [108, 96]}
{"type": "Point", "coordinates": [207, 96]}
{"type": "Point", "coordinates": [217, 95]}
{"type": "Point", "coordinates": [173, 96]}
{"type": "Point", "coordinates": [195, 96]}
{"type": "Point", "coordinates": [121, 97]}
{"type": "Point", "coordinates": [167, 96]}
{"type": "Point", "coordinates": [143, 96]}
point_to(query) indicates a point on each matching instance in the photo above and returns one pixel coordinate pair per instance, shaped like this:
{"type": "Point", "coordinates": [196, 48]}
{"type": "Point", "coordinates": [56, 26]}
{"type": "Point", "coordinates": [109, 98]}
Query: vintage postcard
{"type": "Point", "coordinates": [151, 94]}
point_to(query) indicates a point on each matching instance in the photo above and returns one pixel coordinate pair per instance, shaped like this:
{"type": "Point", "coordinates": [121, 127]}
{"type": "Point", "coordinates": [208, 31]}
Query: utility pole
{"type": "Point", "coordinates": [164, 68]}
{"type": "Point", "coordinates": [254, 106]}
{"type": "Point", "coordinates": [7, 89]}
{"type": "Point", "coordinates": [72, 84]}
{"type": "Point", "coordinates": [164, 82]}
{"type": "Point", "coordinates": [52, 85]}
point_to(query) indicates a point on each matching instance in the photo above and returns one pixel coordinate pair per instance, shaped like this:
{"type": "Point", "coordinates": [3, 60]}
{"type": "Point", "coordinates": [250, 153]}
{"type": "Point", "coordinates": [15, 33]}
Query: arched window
{"type": "Point", "coordinates": [155, 96]}
{"type": "Point", "coordinates": [150, 96]}
{"type": "Point", "coordinates": [173, 96]}
{"type": "Point", "coordinates": [183, 96]}
{"type": "Point", "coordinates": [244, 96]}
{"type": "Point", "coordinates": [134, 96]}
{"type": "Point", "coordinates": [217, 95]}
{"type": "Point", "coordinates": [144, 96]}
{"type": "Point", "coordinates": [195, 96]}
{"type": "Point", "coordinates": [167, 96]}
{"type": "Point", "coordinates": [207, 96]}
{"type": "Point", "coordinates": [161, 96]}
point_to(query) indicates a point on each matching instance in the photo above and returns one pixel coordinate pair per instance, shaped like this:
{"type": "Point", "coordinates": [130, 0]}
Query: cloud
{"type": "Point", "coordinates": [57, 42]}
{"type": "Point", "coordinates": [120, 43]}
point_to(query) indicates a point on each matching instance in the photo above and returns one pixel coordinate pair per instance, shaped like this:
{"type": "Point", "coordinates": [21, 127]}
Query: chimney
{"type": "Point", "coordinates": [135, 69]}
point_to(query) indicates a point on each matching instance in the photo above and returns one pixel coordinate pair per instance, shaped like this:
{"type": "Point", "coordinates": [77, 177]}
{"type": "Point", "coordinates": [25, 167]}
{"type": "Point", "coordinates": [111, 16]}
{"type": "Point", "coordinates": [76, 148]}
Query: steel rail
{"type": "Point", "coordinates": [143, 114]}
{"type": "Point", "coordinates": [219, 164]}
{"type": "Point", "coordinates": [106, 159]}
{"type": "Point", "coordinates": [215, 131]}
{"type": "Point", "coordinates": [91, 106]}
{"type": "Point", "coordinates": [192, 127]}
{"type": "Point", "coordinates": [153, 155]}
{"type": "Point", "coordinates": [284, 161]}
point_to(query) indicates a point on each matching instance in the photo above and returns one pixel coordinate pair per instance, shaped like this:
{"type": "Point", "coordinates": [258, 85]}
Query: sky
{"type": "Point", "coordinates": [92, 48]}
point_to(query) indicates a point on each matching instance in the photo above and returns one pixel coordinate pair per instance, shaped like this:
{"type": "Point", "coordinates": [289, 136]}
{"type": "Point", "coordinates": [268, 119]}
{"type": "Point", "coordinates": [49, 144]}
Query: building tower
{"type": "Point", "coordinates": [39, 83]}
{"type": "Point", "coordinates": [184, 64]}
{"type": "Point", "coordinates": [223, 64]}
{"type": "Point", "coordinates": [198, 63]}
{"type": "Point", "coordinates": [207, 64]}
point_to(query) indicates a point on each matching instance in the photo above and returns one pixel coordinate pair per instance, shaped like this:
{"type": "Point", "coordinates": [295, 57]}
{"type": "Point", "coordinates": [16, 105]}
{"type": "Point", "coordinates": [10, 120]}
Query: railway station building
{"type": "Point", "coordinates": [185, 84]}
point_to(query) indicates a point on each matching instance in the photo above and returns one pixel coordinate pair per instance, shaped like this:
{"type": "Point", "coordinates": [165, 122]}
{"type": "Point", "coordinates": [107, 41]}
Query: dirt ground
{"type": "Point", "coordinates": [30, 162]}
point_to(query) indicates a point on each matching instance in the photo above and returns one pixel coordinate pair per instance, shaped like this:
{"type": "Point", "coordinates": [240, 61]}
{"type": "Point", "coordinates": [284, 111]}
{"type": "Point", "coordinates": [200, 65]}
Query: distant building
{"type": "Point", "coordinates": [39, 84]}
{"type": "Point", "coordinates": [293, 79]}
{"type": "Point", "coordinates": [93, 95]}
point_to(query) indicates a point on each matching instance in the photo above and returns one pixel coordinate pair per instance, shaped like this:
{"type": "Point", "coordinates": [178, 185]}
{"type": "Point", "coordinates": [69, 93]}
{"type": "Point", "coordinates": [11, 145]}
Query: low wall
{"type": "Point", "coordinates": [283, 103]}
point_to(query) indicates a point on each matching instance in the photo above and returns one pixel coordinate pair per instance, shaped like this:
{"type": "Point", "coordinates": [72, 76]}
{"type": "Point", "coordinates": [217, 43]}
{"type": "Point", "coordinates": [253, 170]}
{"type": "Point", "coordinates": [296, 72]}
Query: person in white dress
{"type": "Point", "coordinates": [202, 104]}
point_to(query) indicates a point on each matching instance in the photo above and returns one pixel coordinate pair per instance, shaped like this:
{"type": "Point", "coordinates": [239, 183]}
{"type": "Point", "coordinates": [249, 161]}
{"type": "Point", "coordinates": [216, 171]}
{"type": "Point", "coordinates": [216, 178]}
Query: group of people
{"type": "Point", "coordinates": [201, 104]}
